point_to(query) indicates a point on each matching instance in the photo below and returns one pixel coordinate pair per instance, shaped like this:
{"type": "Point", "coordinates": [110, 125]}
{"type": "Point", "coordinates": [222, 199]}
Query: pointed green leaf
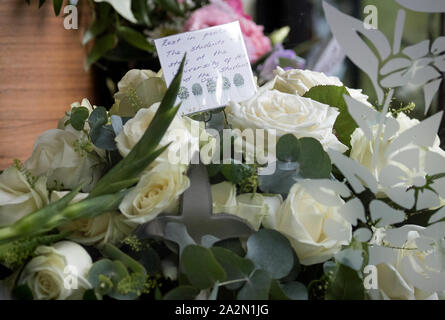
{"type": "Point", "coordinates": [135, 38]}
{"type": "Point", "coordinates": [57, 4]}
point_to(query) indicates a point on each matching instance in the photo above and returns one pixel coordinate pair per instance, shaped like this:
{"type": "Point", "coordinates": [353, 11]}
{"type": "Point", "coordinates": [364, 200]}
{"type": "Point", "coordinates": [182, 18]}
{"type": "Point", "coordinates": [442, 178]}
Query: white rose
{"type": "Point", "coordinates": [306, 223]}
{"type": "Point", "coordinates": [58, 272]}
{"type": "Point", "coordinates": [253, 208]}
{"type": "Point", "coordinates": [223, 197]}
{"type": "Point", "coordinates": [393, 282]}
{"type": "Point", "coordinates": [157, 192]}
{"type": "Point", "coordinates": [19, 196]}
{"type": "Point", "coordinates": [287, 114]}
{"type": "Point", "coordinates": [362, 150]}
{"type": "Point", "coordinates": [66, 159]}
{"type": "Point", "coordinates": [299, 82]}
{"type": "Point", "coordinates": [132, 79]}
{"type": "Point", "coordinates": [184, 141]}
{"type": "Point", "coordinates": [106, 228]}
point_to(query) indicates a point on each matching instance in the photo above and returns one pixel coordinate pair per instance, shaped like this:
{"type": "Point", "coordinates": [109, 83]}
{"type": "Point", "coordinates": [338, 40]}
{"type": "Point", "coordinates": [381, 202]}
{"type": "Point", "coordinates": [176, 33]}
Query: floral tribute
{"type": "Point", "coordinates": [354, 208]}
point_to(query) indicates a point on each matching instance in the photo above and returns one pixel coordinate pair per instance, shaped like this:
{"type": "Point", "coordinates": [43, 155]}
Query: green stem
{"type": "Point", "coordinates": [113, 252]}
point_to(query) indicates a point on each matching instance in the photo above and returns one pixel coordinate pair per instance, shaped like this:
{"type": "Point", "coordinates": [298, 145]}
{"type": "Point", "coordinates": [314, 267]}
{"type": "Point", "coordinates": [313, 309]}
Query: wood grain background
{"type": "Point", "coordinates": [41, 74]}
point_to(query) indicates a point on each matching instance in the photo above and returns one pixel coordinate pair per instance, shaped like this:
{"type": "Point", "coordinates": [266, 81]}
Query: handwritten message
{"type": "Point", "coordinates": [217, 69]}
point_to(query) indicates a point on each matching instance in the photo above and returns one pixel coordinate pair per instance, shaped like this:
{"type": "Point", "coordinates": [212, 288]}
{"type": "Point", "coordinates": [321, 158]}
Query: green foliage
{"type": "Point", "coordinates": [236, 267]}
{"type": "Point", "coordinates": [313, 160]}
{"type": "Point", "coordinates": [201, 267]}
{"type": "Point", "coordinates": [257, 287]}
{"type": "Point", "coordinates": [78, 117]}
{"type": "Point", "coordinates": [288, 291]}
{"type": "Point", "coordinates": [101, 133]}
{"type": "Point", "coordinates": [135, 38]}
{"type": "Point", "coordinates": [57, 4]}
{"type": "Point", "coordinates": [16, 253]}
{"type": "Point", "coordinates": [182, 293]}
{"type": "Point", "coordinates": [334, 96]}
{"type": "Point", "coordinates": [346, 284]}
{"type": "Point", "coordinates": [297, 158]}
{"type": "Point", "coordinates": [100, 21]}
{"type": "Point", "coordinates": [141, 11]}
{"type": "Point", "coordinates": [259, 275]}
{"type": "Point", "coordinates": [288, 148]}
{"type": "Point", "coordinates": [122, 278]}
{"type": "Point", "coordinates": [101, 46]}
{"type": "Point", "coordinates": [171, 5]}
{"type": "Point", "coordinates": [126, 172]}
{"type": "Point", "coordinates": [22, 292]}
{"type": "Point", "coordinates": [271, 251]}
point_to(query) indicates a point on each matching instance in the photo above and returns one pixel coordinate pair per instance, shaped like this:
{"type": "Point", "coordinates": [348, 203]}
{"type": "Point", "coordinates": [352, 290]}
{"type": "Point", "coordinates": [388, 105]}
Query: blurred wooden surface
{"type": "Point", "coordinates": [41, 74]}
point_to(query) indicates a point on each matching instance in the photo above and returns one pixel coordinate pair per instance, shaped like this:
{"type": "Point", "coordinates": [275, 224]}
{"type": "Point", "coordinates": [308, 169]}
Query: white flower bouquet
{"type": "Point", "coordinates": [351, 210]}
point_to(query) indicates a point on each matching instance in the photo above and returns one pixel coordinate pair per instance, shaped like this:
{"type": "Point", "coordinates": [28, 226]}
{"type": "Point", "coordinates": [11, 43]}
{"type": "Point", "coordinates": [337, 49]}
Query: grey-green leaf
{"type": "Point", "coordinates": [288, 148]}
{"type": "Point", "coordinates": [182, 293]}
{"type": "Point", "coordinates": [271, 251]}
{"type": "Point", "coordinates": [257, 287]}
{"type": "Point", "coordinates": [313, 160]}
{"type": "Point", "coordinates": [201, 267]}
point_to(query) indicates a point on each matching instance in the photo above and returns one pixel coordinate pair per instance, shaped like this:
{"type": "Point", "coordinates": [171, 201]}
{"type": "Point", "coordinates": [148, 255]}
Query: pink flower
{"type": "Point", "coordinates": [219, 12]}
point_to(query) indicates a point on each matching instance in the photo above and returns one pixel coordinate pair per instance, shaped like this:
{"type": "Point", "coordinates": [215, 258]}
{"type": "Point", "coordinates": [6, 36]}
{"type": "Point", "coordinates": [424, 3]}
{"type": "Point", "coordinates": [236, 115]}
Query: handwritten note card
{"type": "Point", "coordinates": [217, 69]}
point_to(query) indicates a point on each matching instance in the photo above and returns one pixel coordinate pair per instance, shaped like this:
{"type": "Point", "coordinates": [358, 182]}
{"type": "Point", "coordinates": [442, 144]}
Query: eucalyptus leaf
{"type": "Point", "coordinates": [288, 148]}
{"type": "Point", "coordinates": [201, 267]}
{"type": "Point", "coordinates": [334, 96]}
{"type": "Point", "coordinates": [114, 271]}
{"type": "Point", "coordinates": [117, 124]}
{"type": "Point", "coordinates": [102, 135]}
{"type": "Point", "coordinates": [313, 160]}
{"type": "Point", "coordinates": [257, 287]}
{"type": "Point", "coordinates": [271, 251]}
{"type": "Point", "coordinates": [279, 182]}
{"type": "Point", "coordinates": [236, 268]}
{"type": "Point", "coordinates": [78, 117]}
{"type": "Point", "coordinates": [288, 291]}
{"type": "Point", "coordinates": [295, 290]}
{"type": "Point", "coordinates": [182, 293]}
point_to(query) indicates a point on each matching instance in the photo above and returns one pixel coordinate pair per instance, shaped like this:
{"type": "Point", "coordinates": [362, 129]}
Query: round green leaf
{"type": "Point", "coordinates": [288, 148]}
{"type": "Point", "coordinates": [113, 270]}
{"type": "Point", "coordinates": [201, 267]}
{"type": "Point", "coordinates": [78, 117]}
{"type": "Point", "coordinates": [236, 267]}
{"type": "Point", "coordinates": [272, 252]}
{"type": "Point", "coordinates": [182, 293]}
{"type": "Point", "coordinates": [257, 287]}
{"type": "Point", "coordinates": [314, 161]}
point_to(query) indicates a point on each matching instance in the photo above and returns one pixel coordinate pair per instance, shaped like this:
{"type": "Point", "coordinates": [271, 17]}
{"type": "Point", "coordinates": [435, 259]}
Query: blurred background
{"type": "Point", "coordinates": [42, 64]}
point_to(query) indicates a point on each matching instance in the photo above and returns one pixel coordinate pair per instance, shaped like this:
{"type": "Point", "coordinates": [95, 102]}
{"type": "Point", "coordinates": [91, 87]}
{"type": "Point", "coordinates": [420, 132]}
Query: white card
{"type": "Point", "coordinates": [217, 68]}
